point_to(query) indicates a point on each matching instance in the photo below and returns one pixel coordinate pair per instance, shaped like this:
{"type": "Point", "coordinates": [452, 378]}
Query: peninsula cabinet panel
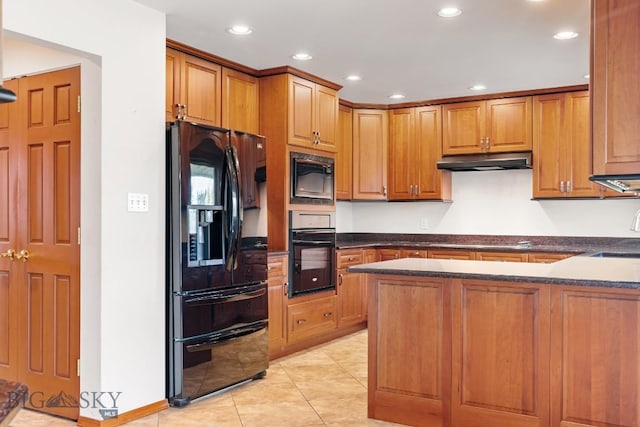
{"type": "Point", "coordinates": [193, 89]}
{"type": "Point", "coordinates": [497, 125]}
{"type": "Point", "coordinates": [415, 146]}
{"type": "Point", "coordinates": [240, 101]}
{"type": "Point", "coordinates": [409, 351]}
{"type": "Point", "coordinates": [344, 154]}
{"type": "Point", "coordinates": [500, 353]}
{"type": "Point", "coordinates": [370, 142]}
{"type": "Point", "coordinates": [561, 147]}
{"type": "Point", "coordinates": [595, 358]}
{"type": "Point", "coordinates": [615, 66]}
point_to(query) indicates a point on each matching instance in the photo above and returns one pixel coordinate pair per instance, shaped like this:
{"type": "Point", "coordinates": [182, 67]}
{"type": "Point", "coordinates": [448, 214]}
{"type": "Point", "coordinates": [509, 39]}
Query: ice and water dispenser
{"type": "Point", "coordinates": [205, 235]}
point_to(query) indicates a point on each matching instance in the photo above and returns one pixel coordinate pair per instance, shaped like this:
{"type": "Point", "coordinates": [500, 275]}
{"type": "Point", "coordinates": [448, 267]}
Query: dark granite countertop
{"type": "Point", "coordinates": [577, 245]}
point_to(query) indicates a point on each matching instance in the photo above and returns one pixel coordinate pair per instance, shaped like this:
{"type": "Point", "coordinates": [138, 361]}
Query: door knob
{"type": "Point", "coordinates": [23, 255]}
{"type": "Point", "coordinates": [11, 254]}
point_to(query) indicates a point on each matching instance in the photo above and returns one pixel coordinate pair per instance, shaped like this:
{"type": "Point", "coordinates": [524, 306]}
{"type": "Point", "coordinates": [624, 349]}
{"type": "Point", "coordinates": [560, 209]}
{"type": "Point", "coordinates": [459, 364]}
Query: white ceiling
{"type": "Point", "coordinates": [396, 45]}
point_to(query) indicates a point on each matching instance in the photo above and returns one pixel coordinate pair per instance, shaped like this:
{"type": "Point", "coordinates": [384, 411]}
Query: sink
{"type": "Point", "coordinates": [616, 255]}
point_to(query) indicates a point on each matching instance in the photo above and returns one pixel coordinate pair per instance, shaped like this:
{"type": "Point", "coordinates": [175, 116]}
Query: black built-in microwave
{"type": "Point", "coordinates": [311, 179]}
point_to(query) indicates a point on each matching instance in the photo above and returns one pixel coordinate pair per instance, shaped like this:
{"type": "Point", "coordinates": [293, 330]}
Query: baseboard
{"type": "Point", "coordinates": [126, 417]}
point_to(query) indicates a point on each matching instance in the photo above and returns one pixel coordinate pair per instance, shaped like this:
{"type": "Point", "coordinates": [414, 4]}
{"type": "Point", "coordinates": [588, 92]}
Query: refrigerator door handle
{"type": "Point", "coordinates": [238, 196]}
{"type": "Point", "coordinates": [231, 210]}
{"type": "Point", "coordinates": [234, 335]}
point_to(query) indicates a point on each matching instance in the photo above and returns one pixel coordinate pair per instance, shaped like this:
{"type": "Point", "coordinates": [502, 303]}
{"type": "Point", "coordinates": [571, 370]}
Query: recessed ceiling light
{"type": "Point", "coordinates": [478, 87]}
{"type": "Point", "coordinates": [240, 30]}
{"type": "Point", "coordinates": [302, 56]}
{"type": "Point", "coordinates": [449, 12]}
{"type": "Point", "coordinates": [396, 96]}
{"type": "Point", "coordinates": [565, 35]}
{"type": "Point", "coordinates": [354, 78]}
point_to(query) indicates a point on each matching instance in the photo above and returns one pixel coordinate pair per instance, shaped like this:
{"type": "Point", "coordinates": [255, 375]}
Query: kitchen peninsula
{"type": "Point", "coordinates": [478, 343]}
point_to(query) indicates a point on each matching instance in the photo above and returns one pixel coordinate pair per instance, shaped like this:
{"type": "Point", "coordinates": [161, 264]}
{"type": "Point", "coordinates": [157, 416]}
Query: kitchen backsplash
{"type": "Point", "coordinates": [492, 202]}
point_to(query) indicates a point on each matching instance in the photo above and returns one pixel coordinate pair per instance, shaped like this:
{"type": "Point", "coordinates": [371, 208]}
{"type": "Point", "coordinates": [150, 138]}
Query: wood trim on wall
{"type": "Point", "coordinates": [210, 57]}
{"type": "Point", "coordinates": [285, 69]}
{"type": "Point", "coordinates": [126, 417]}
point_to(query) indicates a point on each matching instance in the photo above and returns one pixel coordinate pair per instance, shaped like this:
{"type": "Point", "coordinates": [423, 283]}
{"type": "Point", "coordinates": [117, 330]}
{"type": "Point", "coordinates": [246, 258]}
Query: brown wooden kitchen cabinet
{"type": "Point", "coordinates": [496, 125]}
{"type": "Point", "coordinates": [414, 253]}
{"type": "Point", "coordinates": [561, 146]}
{"type": "Point", "coordinates": [309, 318]}
{"type": "Point", "coordinates": [277, 287]}
{"type": "Point", "coordinates": [351, 288]}
{"type": "Point", "coordinates": [240, 101]}
{"type": "Point", "coordinates": [386, 254]}
{"type": "Point", "coordinates": [313, 114]}
{"type": "Point", "coordinates": [370, 142]}
{"type": "Point", "coordinates": [344, 154]}
{"type": "Point", "coordinates": [615, 67]}
{"type": "Point", "coordinates": [547, 257]}
{"type": "Point", "coordinates": [193, 89]}
{"type": "Point", "coordinates": [595, 357]}
{"type": "Point", "coordinates": [451, 254]}
{"type": "Point", "coordinates": [410, 351]}
{"type": "Point", "coordinates": [500, 354]}
{"type": "Point", "coordinates": [502, 256]}
{"type": "Point", "coordinates": [415, 146]}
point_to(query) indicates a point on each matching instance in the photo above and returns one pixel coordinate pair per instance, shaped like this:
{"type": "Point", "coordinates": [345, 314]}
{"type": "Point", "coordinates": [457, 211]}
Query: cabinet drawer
{"type": "Point", "coordinates": [349, 257]}
{"type": "Point", "coordinates": [310, 318]}
{"type": "Point", "coordinates": [502, 256]}
{"type": "Point", "coordinates": [414, 253]}
{"type": "Point", "coordinates": [277, 265]}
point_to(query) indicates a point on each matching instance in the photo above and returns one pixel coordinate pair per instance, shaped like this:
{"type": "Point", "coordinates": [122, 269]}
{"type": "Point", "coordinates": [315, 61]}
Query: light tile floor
{"type": "Point", "coordinates": [322, 386]}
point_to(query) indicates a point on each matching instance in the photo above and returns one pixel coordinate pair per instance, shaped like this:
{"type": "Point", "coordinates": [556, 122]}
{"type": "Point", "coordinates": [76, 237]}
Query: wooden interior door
{"type": "Point", "coordinates": [48, 206]}
{"type": "Point", "coordinates": [8, 289]}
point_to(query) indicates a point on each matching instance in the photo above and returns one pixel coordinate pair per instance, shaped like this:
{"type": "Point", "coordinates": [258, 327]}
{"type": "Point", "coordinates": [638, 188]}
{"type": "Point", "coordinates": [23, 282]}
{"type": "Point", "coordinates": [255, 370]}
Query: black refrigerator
{"type": "Point", "coordinates": [216, 276]}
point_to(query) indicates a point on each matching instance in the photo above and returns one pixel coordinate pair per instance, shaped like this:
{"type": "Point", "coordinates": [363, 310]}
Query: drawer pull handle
{"type": "Point", "coordinates": [301, 321]}
{"type": "Point", "coordinates": [328, 314]}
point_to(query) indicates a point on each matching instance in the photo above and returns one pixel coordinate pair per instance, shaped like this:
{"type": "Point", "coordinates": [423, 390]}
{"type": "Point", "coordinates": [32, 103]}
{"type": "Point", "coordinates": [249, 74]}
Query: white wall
{"type": "Point", "coordinates": [120, 46]}
{"type": "Point", "coordinates": [492, 202]}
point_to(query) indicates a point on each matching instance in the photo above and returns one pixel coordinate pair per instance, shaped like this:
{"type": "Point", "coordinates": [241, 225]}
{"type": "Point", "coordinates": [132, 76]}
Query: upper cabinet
{"type": "Point", "coordinates": [193, 89]}
{"type": "Point", "coordinates": [240, 101]}
{"type": "Point", "coordinates": [313, 114]}
{"type": "Point", "coordinates": [344, 154]}
{"type": "Point", "coordinates": [415, 145]}
{"type": "Point", "coordinates": [496, 125]}
{"type": "Point", "coordinates": [370, 141]}
{"type": "Point", "coordinates": [615, 67]}
{"type": "Point", "coordinates": [561, 146]}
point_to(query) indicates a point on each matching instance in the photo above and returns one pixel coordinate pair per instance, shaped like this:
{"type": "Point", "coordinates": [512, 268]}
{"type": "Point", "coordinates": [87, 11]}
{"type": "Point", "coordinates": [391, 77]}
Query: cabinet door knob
{"type": "Point", "coordinates": [384, 190]}
{"type": "Point", "coordinates": [340, 279]}
{"type": "Point", "coordinates": [301, 321]}
{"type": "Point", "coordinates": [328, 314]}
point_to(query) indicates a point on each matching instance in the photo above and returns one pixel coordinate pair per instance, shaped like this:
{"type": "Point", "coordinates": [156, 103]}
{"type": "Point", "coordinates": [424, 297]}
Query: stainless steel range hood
{"type": "Point", "coordinates": [483, 162]}
{"type": "Point", "coordinates": [628, 183]}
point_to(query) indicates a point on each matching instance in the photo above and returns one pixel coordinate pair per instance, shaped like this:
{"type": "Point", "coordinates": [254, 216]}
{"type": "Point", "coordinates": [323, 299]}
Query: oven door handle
{"type": "Point", "coordinates": [313, 242]}
{"type": "Point", "coordinates": [226, 337]}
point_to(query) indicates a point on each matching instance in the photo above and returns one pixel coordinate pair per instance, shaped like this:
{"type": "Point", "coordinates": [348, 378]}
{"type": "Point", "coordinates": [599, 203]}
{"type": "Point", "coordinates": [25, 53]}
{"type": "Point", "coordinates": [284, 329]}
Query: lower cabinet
{"type": "Point", "coordinates": [502, 354]}
{"type": "Point", "coordinates": [277, 287]}
{"type": "Point", "coordinates": [309, 318]}
{"type": "Point", "coordinates": [351, 288]}
{"type": "Point", "coordinates": [502, 256]}
{"type": "Point", "coordinates": [451, 254]}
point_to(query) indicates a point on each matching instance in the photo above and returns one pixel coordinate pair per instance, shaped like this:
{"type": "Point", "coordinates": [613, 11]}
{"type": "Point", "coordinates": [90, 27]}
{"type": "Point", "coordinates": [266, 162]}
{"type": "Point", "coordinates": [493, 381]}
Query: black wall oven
{"type": "Point", "coordinates": [311, 179]}
{"type": "Point", "coordinates": [312, 248]}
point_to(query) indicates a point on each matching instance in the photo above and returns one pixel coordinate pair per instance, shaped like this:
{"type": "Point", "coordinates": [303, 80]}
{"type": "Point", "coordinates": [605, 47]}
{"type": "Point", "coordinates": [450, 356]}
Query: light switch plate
{"type": "Point", "coordinates": [137, 202]}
